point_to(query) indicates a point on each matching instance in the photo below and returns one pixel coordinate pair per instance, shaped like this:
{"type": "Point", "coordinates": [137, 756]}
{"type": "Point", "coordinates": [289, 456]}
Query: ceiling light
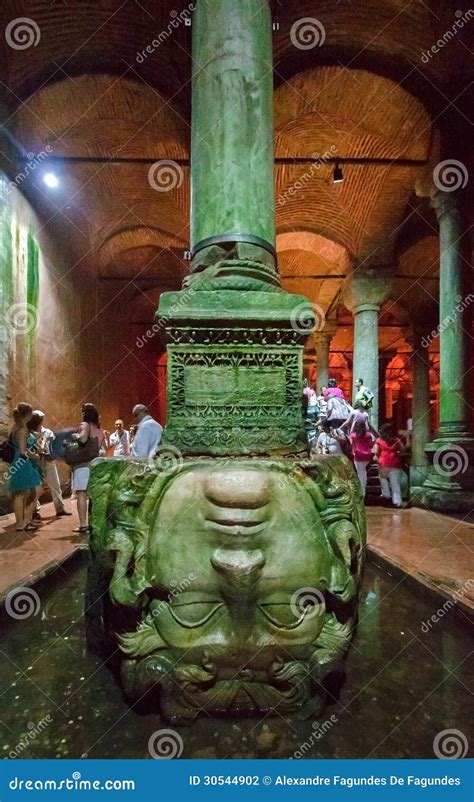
{"type": "Point", "coordinates": [51, 180]}
{"type": "Point", "coordinates": [337, 175]}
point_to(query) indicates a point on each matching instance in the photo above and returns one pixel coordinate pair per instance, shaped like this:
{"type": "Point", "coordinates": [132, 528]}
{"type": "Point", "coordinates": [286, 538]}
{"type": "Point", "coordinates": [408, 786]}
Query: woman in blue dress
{"type": "Point", "coordinates": [25, 477]}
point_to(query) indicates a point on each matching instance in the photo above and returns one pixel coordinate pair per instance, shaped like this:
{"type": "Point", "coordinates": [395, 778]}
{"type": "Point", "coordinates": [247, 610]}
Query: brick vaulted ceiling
{"type": "Point", "coordinates": [364, 91]}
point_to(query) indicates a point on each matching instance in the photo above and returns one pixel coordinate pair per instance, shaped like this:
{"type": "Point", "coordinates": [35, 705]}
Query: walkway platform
{"type": "Point", "coordinates": [433, 550]}
{"type": "Point", "coordinates": [27, 557]}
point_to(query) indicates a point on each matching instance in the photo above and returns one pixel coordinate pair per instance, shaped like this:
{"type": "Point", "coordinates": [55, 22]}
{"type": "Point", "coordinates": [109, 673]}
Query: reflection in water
{"type": "Point", "coordinates": [398, 695]}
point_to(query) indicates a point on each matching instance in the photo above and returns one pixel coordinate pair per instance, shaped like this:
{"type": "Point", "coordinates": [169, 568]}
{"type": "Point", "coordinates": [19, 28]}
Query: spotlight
{"type": "Point", "coordinates": [337, 175]}
{"type": "Point", "coordinates": [50, 180]}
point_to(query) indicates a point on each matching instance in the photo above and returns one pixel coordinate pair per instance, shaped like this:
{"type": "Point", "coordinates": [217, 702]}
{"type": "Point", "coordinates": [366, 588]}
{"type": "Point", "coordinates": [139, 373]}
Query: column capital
{"type": "Point", "coordinates": [446, 204]}
{"type": "Point", "coordinates": [322, 336]}
{"type": "Point", "coordinates": [367, 290]}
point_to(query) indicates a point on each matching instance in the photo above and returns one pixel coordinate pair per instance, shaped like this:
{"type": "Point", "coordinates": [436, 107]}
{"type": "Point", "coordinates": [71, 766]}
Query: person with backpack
{"type": "Point", "coordinates": [25, 476]}
{"type": "Point", "coordinates": [388, 450]}
{"type": "Point", "coordinates": [363, 396]}
{"type": "Point", "coordinates": [338, 411]}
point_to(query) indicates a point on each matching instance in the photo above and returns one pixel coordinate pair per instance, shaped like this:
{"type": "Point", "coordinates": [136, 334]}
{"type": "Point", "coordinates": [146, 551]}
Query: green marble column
{"type": "Point", "coordinates": [450, 484]}
{"type": "Point", "coordinates": [364, 297]}
{"type": "Point", "coordinates": [420, 407]}
{"type": "Point", "coordinates": [235, 339]}
{"type": "Point", "coordinates": [232, 185]}
{"type": "Point", "coordinates": [452, 305]}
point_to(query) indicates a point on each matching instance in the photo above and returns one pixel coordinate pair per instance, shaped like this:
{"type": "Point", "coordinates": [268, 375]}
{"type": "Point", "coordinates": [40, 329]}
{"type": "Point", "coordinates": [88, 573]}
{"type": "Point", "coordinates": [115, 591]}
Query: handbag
{"type": "Point", "coordinates": [7, 451]}
{"type": "Point", "coordinates": [77, 453]}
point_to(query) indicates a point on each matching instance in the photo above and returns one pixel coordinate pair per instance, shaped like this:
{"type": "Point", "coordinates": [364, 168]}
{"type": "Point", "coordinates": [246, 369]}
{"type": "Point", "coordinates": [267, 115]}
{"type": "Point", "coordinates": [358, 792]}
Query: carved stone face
{"type": "Point", "coordinates": [233, 582]}
{"type": "Point", "coordinates": [237, 545]}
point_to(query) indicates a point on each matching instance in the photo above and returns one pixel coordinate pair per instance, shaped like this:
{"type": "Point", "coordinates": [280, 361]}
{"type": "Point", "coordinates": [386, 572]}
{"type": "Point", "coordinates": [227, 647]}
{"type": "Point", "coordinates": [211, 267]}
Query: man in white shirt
{"type": "Point", "coordinates": [120, 440]}
{"type": "Point", "coordinates": [148, 435]}
{"type": "Point", "coordinates": [50, 470]}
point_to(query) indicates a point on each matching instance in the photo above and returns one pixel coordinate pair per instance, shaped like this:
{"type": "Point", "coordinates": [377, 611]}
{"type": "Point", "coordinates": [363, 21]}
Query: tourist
{"type": "Point", "coordinates": [311, 414]}
{"type": "Point", "coordinates": [358, 415]}
{"type": "Point", "coordinates": [45, 438]}
{"type": "Point", "coordinates": [330, 441]}
{"type": "Point", "coordinates": [364, 395]}
{"type": "Point", "coordinates": [388, 450]}
{"type": "Point", "coordinates": [362, 442]}
{"type": "Point", "coordinates": [333, 391]}
{"type": "Point", "coordinates": [322, 404]}
{"type": "Point", "coordinates": [338, 411]}
{"type": "Point", "coordinates": [120, 440]}
{"type": "Point", "coordinates": [25, 477]}
{"type": "Point", "coordinates": [148, 434]}
{"type": "Point", "coordinates": [89, 429]}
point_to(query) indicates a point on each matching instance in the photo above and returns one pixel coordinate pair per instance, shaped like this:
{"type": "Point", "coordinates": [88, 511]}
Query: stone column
{"type": "Point", "coordinates": [232, 170]}
{"type": "Point", "coordinates": [420, 406]}
{"type": "Point", "coordinates": [364, 297]}
{"type": "Point", "coordinates": [320, 341]}
{"type": "Point", "coordinates": [450, 484]}
{"type": "Point", "coordinates": [384, 359]}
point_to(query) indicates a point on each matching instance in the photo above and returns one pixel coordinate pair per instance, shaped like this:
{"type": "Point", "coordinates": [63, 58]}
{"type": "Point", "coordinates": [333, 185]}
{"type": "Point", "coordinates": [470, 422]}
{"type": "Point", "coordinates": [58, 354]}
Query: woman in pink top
{"type": "Point", "coordinates": [388, 448]}
{"type": "Point", "coordinates": [90, 427]}
{"type": "Point", "coordinates": [362, 443]}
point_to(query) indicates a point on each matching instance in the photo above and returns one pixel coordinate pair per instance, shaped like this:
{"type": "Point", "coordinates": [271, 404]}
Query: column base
{"type": "Point", "coordinates": [418, 475]}
{"type": "Point", "coordinates": [449, 486]}
{"type": "Point", "coordinates": [234, 367]}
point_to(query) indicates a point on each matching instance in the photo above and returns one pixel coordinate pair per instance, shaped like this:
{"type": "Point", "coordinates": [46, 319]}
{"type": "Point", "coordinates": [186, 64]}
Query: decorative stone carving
{"type": "Point", "coordinates": [232, 583]}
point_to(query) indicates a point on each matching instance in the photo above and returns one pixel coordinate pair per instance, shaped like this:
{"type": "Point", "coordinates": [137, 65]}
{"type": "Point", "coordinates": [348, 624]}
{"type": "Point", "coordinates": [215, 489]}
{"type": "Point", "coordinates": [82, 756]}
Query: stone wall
{"type": "Point", "coordinates": [40, 320]}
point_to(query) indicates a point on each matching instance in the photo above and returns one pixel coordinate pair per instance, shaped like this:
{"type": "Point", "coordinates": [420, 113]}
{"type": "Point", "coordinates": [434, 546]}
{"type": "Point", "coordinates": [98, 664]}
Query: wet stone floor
{"type": "Point", "coordinates": [406, 682]}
